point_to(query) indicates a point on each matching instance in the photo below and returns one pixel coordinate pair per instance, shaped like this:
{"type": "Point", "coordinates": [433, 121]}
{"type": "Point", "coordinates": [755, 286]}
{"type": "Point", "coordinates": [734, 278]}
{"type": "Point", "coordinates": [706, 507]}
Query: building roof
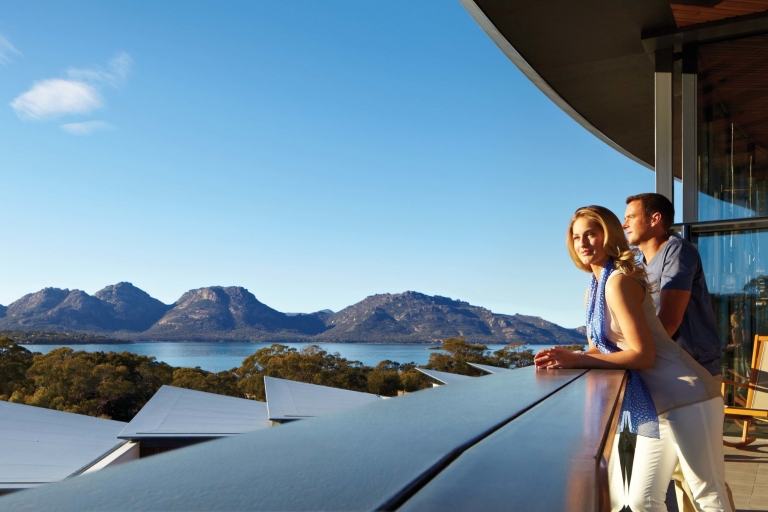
{"type": "Point", "coordinates": [180, 413]}
{"type": "Point", "coordinates": [588, 58]}
{"type": "Point", "coordinates": [39, 445]}
{"type": "Point", "coordinates": [289, 400]}
{"type": "Point", "coordinates": [692, 12]}
{"type": "Point", "coordinates": [490, 369]}
{"type": "Point", "coordinates": [444, 377]}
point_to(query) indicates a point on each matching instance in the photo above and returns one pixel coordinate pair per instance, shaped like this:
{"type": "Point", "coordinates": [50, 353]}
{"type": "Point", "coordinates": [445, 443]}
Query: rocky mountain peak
{"type": "Point", "coordinates": [132, 308]}
{"type": "Point", "coordinates": [37, 303]}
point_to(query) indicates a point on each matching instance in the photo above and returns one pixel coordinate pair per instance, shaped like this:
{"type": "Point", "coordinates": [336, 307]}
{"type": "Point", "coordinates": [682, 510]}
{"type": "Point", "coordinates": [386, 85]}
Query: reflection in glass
{"type": "Point", "coordinates": [736, 268]}
{"type": "Point", "coordinates": [733, 128]}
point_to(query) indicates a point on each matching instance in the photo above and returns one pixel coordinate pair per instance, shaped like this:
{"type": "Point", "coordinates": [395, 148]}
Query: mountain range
{"type": "Point", "coordinates": [218, 313]}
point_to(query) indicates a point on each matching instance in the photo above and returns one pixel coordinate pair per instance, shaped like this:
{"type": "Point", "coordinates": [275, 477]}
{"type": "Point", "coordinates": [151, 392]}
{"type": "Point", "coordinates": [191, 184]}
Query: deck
{"type": "Point", "coordinates": [746, 472]}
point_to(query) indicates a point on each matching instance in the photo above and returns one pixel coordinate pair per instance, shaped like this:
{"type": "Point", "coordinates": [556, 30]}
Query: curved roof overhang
{"type": "Point", "coordinates": [587, 57]}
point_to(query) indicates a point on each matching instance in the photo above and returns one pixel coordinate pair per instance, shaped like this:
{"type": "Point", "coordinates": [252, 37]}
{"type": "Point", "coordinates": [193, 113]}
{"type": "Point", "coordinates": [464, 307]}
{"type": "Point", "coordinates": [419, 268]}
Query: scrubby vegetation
{"type": "Point", "coordinates": [58, 338]}
{"type": "Point", "coordinates": [117, 385]}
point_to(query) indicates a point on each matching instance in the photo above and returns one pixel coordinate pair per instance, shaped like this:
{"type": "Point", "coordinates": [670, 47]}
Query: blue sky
{"type": "Point", "coordinates": [313, 152]}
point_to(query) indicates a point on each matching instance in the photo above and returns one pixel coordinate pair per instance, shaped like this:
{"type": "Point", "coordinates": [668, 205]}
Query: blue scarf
{"type": "Point", "coordinates": [638, 413]}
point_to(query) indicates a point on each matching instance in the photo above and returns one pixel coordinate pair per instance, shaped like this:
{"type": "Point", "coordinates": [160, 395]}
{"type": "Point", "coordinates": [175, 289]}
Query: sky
{"type": "Point", "coordinates": [313, 152]}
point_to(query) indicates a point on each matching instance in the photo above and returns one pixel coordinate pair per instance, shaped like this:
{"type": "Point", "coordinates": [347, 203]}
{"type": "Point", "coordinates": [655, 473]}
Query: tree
{"type": "Point", "coordinates": [222, 383]}
{"type": "Point", "coordinates": [413, 379]}
{"type": "Point", "coordinates": [514, 355]}
{"type": "Point", "coordinates": [384, 379]}
{"type": "Point", "coordinates": [107, 385]}
{"type": "Point", "coordinates": [311, 364]}
{"type": "Point", "coordinates": [14, 363]}
{"type": "Point", "coordinates": [457, 354]}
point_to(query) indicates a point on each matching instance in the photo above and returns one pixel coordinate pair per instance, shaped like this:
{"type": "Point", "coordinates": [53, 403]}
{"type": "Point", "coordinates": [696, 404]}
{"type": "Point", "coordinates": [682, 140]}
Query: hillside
{"type": "Point", "coordinates": [233, 313]}
{"type": "Point", "coordinates": [415, 317]}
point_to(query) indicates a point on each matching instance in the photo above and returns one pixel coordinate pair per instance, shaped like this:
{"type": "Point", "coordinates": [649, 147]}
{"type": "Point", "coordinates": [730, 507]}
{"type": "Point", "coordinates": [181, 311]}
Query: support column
{"type": "Point", "coordinates": [664, 137]}
{"type": "Point", "coordinates": [690, 157]}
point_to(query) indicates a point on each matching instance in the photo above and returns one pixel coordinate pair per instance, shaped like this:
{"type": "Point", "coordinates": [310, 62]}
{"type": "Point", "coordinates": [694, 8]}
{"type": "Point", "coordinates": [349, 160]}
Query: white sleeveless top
{"type": "Point", "coordinates": [675, 379]}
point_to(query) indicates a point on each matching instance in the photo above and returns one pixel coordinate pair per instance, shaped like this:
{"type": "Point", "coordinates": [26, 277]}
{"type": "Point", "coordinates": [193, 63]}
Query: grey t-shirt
{"type": "Point", "coordinates": [677, 266]}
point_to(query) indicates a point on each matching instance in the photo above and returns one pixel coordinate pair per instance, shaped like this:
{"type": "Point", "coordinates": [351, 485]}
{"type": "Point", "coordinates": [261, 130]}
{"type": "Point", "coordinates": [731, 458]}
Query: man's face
{"type": "Point", "coordinates": [636, 225]}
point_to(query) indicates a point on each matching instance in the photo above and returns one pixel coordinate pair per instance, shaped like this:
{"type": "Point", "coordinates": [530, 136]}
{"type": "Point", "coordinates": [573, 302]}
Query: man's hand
{"type": "Point", "coordinates": [672, 304]}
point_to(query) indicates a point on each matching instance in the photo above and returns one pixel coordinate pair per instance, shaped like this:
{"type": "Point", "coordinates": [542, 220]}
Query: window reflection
{"type": "Point", "coordinates": [733, 128]}
{"type": "Point", "coordinates": [736, 268]}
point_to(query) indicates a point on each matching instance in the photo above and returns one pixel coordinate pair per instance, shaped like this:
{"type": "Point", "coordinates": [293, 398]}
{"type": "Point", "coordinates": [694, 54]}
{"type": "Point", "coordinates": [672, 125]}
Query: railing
{"type": "Point", "coordinates": [520, 440]}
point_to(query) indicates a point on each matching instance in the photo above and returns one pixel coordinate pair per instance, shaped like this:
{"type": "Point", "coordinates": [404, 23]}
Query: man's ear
{"type": "Point", "coordinates": [655, 219]}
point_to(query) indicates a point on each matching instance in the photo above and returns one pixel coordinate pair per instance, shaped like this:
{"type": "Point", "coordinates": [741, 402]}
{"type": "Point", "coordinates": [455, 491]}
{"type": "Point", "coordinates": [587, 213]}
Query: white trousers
{"type": "Point", "coordinates": [691, 435]}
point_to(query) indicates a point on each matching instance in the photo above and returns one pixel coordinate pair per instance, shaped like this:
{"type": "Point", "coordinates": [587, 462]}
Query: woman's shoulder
{"type": "Point", "coordinates": [619, 282]}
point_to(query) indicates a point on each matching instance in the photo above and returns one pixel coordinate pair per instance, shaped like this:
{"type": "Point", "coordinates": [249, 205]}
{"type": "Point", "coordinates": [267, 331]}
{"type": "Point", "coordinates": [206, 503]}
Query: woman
{"type": "Point", "coordinates": [670, 402]}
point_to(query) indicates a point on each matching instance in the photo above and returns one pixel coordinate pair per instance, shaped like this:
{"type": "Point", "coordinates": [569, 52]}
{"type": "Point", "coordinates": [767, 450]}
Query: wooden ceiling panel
{"type": "Point", "coordinates": [686, 15]}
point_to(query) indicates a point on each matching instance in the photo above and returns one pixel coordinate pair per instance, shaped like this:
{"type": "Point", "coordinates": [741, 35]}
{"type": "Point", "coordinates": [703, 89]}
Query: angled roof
{"type": "Point", "coordinates": [490, 369]}
{"type": "Point", "coordinates": [179, 413]}
{"type": "Point", "coordinates": [288, 400]}
{"type": "Point", "coordinates": [445, 377]}
{"type": "Point", "coordinates": [39, 446]}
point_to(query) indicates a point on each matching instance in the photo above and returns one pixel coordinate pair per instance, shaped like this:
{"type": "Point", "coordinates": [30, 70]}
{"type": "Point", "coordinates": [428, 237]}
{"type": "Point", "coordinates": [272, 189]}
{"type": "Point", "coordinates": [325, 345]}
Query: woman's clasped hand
{"type": "Point", "coordinates": [556, 358]}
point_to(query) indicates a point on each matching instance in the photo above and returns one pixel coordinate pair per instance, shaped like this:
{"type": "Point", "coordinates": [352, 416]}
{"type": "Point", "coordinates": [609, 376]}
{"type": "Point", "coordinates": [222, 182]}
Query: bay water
{"type": "Point", "coordinates": [217, 357]}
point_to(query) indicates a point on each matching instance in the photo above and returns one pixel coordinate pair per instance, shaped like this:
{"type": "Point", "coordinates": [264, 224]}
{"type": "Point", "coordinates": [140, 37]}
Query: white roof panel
{"type": "Point", "coordinates": [290, 400]}
{"type": "Point", "coordinates": [42, 445]}
{"type": "Point", "coordinates": [445, 377]}
{"type": "Point", "coordinates": [490, 369]}
{"type": "Point", "coordinates": [177, 412]}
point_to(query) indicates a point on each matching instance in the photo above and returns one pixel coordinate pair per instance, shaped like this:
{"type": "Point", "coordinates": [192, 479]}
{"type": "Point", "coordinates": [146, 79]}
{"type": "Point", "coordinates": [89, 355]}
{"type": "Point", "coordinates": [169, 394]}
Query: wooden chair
{"type": "Point", "coordinates": [755, 405]}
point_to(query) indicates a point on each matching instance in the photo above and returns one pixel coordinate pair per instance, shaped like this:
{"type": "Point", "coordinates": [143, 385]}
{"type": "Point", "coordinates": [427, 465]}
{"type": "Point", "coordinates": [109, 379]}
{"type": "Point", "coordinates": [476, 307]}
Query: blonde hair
{"type": "Point", "coordinates": [614, 243]}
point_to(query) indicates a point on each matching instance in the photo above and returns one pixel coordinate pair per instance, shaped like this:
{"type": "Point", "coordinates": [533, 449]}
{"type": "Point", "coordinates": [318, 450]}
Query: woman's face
{"type": "Point", "coordinates": [588, 240]}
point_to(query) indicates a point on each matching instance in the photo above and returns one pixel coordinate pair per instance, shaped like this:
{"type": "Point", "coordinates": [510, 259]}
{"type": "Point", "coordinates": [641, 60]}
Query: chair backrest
{"type": "Point", "coordinates": [757, 396]}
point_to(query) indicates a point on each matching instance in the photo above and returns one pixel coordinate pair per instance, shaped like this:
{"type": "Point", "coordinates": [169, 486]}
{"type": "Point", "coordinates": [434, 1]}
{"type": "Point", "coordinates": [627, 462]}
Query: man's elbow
{"type": "Point", "coordinates": [671, 325]}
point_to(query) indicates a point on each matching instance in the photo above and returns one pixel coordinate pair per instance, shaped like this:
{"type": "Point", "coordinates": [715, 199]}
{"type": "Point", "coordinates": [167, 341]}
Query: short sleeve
{"type": "Point", "coordinates": [680, 265]}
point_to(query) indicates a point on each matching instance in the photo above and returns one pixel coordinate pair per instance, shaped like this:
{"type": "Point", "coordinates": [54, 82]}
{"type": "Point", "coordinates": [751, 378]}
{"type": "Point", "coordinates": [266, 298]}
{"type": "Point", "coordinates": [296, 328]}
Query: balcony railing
{"type": "Point", "coordinates": [519, 440]}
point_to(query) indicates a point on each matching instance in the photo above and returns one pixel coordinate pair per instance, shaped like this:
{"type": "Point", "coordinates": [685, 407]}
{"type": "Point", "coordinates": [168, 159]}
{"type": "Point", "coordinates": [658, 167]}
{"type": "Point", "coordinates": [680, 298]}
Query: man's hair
{"type": "Point", "coordinates": [656, 203]}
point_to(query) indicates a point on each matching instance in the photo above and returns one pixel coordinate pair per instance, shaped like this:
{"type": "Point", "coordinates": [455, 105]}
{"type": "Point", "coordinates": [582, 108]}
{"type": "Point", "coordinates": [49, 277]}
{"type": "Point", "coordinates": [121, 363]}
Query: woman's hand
{"type": "Point", "coordinates": [554, 358]}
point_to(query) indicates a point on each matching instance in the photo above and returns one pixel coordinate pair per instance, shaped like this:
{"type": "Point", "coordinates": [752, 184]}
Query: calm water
{"type": "Point", "coordinates": [218, 357]}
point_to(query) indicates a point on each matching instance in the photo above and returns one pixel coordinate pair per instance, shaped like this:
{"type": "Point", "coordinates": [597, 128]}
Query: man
{"type": "Point", "coordinates": [675, 274]}
{"type": "Point", "coordinates": [679, 292]}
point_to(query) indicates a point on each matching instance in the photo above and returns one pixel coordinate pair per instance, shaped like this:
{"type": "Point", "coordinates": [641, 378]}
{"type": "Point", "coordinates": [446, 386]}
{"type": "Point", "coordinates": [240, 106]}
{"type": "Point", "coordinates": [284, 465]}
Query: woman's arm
{"type": "Point", "coordinates": [624, 296]}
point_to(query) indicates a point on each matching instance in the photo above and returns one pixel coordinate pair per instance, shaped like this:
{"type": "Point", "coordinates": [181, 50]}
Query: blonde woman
{"type": "Point", "coordinates": [670, 402]}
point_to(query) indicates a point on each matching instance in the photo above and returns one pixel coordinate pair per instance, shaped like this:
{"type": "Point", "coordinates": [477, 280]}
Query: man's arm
{"type": "Point", "coordinates": [672, 304]}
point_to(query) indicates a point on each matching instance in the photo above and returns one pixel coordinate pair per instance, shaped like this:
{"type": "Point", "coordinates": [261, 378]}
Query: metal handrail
{"type": "Point", "coordinates": [713, 226]}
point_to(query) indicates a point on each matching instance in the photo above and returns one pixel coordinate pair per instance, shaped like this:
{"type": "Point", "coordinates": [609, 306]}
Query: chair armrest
{"type": "Point", "coordinates": [734, 383]}
{"type": "Point", "coordinates": [737, 374]}
{"type": "Point", "coordinates": [745, 412]}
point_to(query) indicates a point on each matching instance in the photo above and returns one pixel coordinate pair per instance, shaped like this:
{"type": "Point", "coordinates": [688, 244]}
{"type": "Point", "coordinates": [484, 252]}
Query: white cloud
{"type": "Point", "coordinates": [86, 127]}
{"type": "Point", "coordinates": [117, 72]}
{"type": "Point", "coordinates": [7, 50]}
{"type": "Point", "coordinates": [79, 93]}
{"type": "Point", "coordinates": [56, 97]}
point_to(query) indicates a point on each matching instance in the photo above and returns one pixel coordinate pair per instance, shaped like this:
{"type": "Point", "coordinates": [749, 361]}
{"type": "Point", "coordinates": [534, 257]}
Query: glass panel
{"type": "Point", "coordinates": [733, 128]}
{"type": "Point", "coordinates": [736, 268]}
